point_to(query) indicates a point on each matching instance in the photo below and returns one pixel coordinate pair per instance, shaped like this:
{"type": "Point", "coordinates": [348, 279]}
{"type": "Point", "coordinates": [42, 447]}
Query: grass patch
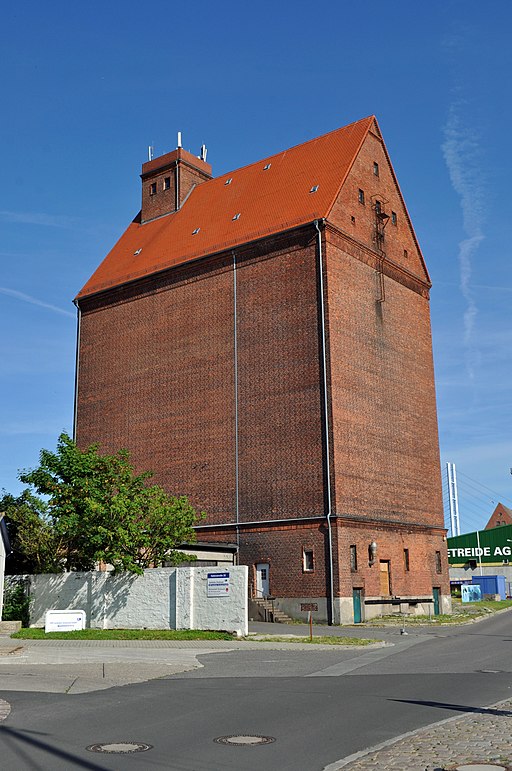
{"type": "Point", "coordinates": [123, 634]}
{"type": "Point", "coordinates": [462, 612]}
{"type": "Point", "coordinates": [354, 641]}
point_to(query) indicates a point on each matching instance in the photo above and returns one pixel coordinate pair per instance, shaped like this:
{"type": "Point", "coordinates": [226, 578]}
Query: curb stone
{"type": "Point", "coordinates": [467, 738]}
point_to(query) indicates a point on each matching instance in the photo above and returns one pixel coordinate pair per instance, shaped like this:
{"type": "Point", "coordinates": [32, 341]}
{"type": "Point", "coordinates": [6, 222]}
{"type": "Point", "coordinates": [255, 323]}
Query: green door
{"type": "Point", "coordinates": [435, 592]}
{"type": "Point", "coordinates": [356, 599]}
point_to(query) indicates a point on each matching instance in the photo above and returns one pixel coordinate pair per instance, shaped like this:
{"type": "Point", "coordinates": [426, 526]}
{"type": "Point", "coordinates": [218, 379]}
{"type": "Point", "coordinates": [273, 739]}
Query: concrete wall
{"type": "Point", "coordinates": [163, 598]}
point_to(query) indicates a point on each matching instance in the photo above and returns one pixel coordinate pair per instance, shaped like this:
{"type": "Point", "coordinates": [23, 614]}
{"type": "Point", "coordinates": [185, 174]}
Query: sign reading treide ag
{"type": "Point", "coordinates": [490, 547]}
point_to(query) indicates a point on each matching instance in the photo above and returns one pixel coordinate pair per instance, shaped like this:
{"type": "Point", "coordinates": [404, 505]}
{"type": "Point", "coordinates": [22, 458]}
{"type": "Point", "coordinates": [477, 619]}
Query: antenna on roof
{"type": "Point", "coordinates": [179, 139]}
{"type": "Point", "coordinates": [151, 152]}
{"type": "Point", "coordinates": [203, 153]}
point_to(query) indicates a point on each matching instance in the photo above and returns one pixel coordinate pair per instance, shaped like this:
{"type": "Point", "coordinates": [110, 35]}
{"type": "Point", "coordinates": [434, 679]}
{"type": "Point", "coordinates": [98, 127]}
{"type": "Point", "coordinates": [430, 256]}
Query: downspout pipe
{"type": "Point", "coordinates": [235, 358]}
{"type": "Point", "coordinates": [328, 513]}
{"type": "Point", "coordinates": [77, 367]}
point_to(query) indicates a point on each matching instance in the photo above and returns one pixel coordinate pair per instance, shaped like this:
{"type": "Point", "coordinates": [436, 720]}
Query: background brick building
{"type": "Point", "coordinates": [261, 341]}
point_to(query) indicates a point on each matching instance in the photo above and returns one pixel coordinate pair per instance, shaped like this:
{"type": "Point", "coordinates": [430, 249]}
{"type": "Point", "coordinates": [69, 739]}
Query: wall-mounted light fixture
{"type": "Point", "coordinates": [372, 553]}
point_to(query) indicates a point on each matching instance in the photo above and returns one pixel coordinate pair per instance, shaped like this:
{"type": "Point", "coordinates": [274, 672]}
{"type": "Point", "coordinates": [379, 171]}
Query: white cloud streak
{"type": "Point", "coordinates": [34, 301]}
{"type": "Point", "coordinates": [461, 153]}
{"type": "Point", "coordinates": [37, 218]}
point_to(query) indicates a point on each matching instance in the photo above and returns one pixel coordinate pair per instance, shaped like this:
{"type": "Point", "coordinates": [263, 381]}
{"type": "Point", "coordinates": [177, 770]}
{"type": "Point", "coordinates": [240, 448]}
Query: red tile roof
{"type": "Point", "coordinates": [269, 196]}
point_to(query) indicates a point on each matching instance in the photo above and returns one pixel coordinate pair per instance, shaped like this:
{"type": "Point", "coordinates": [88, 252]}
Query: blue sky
{"type": "Point", "coordinates": [86, 89]}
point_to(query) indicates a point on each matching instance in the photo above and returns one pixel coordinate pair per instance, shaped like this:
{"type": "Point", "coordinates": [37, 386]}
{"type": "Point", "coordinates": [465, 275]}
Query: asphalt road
{"type": "Point", "coordinates": [319, 706]}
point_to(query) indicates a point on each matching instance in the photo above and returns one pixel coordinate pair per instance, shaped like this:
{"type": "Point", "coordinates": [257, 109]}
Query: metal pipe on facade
{"type": "Point", "coordinates": [235, 355]}
{"type": "Point", "coordinates": [328, 514]}
{"type": "Point", "coordinates": [77, 367]}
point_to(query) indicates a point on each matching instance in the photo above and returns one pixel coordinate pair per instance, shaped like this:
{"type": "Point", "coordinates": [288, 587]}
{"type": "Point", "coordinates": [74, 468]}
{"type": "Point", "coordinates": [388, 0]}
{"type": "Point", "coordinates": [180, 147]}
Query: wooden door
{"type": "Point", "coordinates": [385, 578]}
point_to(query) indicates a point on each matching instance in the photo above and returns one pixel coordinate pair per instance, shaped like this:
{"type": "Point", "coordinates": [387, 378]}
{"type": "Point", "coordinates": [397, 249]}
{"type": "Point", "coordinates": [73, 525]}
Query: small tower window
{"type": "Point", "coordinates": [360, 196]}
{"type": "Point", "coordinates": [376, 168]}
{"type": "Point", "coordinates": [439, 567]}
{"type": "Point", "coordinates": [353, 558]}
{"type": "Point", "coordinates": [152, 188]}
{"type": "Point", "coordinates": [393, 217]}
{"type": "Point", "coordinates": [167, 183]}
{"type": "Point", "coordinates": [406, 253]}
{"type": "Point", "coordinates": [406, 560]}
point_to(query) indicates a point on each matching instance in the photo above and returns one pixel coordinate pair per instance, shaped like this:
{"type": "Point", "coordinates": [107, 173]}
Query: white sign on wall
{"type": "Point", "coordinates": [218, 584]}
{"type": "Point", "coordinates": [64, 620]}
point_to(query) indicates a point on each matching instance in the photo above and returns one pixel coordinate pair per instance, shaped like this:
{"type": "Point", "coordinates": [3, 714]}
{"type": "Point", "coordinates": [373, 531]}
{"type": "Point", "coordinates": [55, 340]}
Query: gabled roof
{"type": "Point", "coordinates": [284, 191]}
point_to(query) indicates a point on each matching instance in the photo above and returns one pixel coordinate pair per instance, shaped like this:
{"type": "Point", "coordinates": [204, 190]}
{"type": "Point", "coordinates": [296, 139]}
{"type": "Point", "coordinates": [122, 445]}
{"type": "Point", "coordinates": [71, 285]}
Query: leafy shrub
{"type": "Point", "coordinates": [16, 603]}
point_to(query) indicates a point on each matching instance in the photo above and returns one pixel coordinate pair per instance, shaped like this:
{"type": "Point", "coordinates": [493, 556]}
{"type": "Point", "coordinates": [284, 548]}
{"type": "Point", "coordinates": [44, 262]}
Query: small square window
{"type": "Point", "coordinates": [393, 217]}
{"type": "Point", "coordinates": [353, 220]}
{"type": "Point", "coordinates": [308, 563]}
{"type": "Point", "coordinates": [406, 560]}
{"type": "Point", "coordinates": [353, 558]}
{"type": "Point", "coordinates": [439, 567]}
{"type": "Point", "coordinates": [152, 188]}
{"type": "Point", "coordinates": [360, 196]}
{"type": "Point", "coordinates": [167, 183]}
{"type": "Point", "coordinates": [376, 168]}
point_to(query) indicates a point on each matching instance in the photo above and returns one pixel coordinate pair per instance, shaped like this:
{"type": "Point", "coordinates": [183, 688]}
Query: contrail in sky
{"type": "Point", "coordinates": [462, 155]}
{"type": "Point", "coordinates": [34, 301]}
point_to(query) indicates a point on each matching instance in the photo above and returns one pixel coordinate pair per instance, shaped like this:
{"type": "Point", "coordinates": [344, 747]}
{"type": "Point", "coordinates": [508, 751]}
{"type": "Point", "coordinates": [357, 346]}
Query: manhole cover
{"type": "Point", "coordinates": [480, 767]}
{"type": "Point", "coordinates": [244, 740]}
{"type": "Point", "coordinates": [120, 748]}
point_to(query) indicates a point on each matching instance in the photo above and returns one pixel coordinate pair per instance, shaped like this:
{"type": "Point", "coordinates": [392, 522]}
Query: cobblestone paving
{"type": "Point", "coordinates": [480, 737]}
{"type": "Point", "coordinates": [5, 708]}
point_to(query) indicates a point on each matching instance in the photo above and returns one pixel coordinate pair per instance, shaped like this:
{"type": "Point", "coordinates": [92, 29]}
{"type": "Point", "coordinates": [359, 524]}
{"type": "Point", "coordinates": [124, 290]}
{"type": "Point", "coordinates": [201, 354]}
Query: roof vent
{"type": "Point", "coordinates": [196, 231]}
{"type": "Point", "coordinates": [314, 189]}
{"type": "Point", "coordinates": [138, 251]}
{"type": "Point", "coordinates": [237, 216]}
{"type": "Point", "coordinates": [265, 168]}
{"type": "Point", "coordinates": [228, 181]}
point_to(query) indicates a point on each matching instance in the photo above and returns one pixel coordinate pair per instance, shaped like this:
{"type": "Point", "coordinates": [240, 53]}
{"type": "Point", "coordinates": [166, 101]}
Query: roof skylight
{"type": "Point", "coordinates": [236, 216]}
{"type": "Point", "coordinates": [267, 166]}
{"type": "Point", "coordinates": [228, 181]}
{"type": "Point", "coordinates": [196, 231]}
{"type": "Point", "coordinates": [136, 252]}
{"type": "Point", "coordinates": [314, 189]}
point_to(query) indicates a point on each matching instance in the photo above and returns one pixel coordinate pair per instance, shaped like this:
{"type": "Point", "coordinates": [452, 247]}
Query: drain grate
{"type": "Point", "coordinates": [244, 740]}
{"type": "Point", "coordinates": [119, 748]}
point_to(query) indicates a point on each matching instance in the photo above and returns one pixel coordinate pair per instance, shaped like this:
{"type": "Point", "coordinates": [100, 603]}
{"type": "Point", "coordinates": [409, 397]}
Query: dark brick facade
{"type": "Point", "coordinates": [217, 365]}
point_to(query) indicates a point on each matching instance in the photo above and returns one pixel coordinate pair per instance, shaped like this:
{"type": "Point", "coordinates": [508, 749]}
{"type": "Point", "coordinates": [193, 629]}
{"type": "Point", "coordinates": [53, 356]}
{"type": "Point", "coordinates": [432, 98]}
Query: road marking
{"type": "Point", "coordinates": [370, 657]}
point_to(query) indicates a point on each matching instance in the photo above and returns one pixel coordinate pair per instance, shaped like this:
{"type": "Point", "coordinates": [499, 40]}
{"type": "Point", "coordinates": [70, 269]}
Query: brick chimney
{"type": "Point", "coordinates": [168, 180]}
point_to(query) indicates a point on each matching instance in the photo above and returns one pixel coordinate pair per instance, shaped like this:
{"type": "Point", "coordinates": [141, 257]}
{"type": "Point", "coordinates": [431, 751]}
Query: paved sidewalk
{"type": "Point", "coordinates": [483, 736]}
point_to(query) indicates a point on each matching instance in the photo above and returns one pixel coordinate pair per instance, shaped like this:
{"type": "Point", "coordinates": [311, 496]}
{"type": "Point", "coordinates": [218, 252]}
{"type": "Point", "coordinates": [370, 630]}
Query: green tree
{"type": "Point", "coordinates": [98, 509]}
{"type": "Point", "coordinates": [34, 542]}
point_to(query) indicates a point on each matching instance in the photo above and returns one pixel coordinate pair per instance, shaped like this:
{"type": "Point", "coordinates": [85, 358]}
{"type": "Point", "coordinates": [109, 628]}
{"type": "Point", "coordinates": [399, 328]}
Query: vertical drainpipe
{"type": "Point", "coordinates": [77, 366]}
{"type": "Point", "coordinates": [328, 513]}
{"type": "Point", "coordinates": [177, 187]}
{"type": "Point", "coordinates": [235, 356]}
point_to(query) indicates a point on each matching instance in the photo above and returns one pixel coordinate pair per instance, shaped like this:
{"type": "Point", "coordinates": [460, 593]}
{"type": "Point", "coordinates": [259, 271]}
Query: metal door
{"type": "Point", "coordinates": [435, 593]}
{"type": "Point", "coordinates": [262, 579]}
{"type": "Point", "coordinates": [356, 599]}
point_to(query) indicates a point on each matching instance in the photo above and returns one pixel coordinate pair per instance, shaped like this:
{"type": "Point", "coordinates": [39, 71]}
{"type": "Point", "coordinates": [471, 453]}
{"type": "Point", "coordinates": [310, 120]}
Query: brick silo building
{"type": "Point", "coordinates": [261, 341]}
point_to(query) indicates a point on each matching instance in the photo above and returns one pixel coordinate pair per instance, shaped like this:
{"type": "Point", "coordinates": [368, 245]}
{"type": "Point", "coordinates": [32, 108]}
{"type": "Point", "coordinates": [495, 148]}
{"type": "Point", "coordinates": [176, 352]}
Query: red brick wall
{"type": "Point", "coordinates": [391, 542]}
{"type": "Point", "coordinates": [157, 376]}
{"type": "Point", "coordinates": [386, 454]}
{"type": "Point", "coordinates": [282, 547]}
{"type": "Point", "coordinates": [280, 434]}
